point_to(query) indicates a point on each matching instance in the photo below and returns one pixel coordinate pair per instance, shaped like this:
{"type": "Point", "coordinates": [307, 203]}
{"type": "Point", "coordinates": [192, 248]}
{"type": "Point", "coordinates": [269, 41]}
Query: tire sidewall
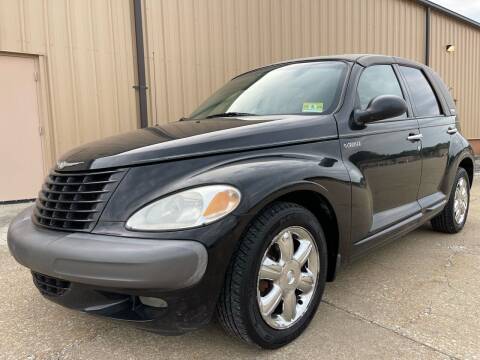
{"type": "Point", "coordinates": [258, 330]}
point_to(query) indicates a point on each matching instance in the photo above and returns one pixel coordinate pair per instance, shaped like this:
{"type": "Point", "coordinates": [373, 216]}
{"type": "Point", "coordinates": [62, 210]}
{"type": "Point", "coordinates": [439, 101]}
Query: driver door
{"type": "Point", "coordinates": [384, 162]}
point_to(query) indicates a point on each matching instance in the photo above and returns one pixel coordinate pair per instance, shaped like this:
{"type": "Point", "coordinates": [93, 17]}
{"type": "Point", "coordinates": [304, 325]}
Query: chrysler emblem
{"type": "Point", "coordinates": [64, 164]}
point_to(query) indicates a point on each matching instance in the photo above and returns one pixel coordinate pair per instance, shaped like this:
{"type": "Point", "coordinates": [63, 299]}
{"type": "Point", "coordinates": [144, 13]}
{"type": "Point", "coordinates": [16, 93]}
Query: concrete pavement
{"type": "Point", "coordinates": [417, 298]}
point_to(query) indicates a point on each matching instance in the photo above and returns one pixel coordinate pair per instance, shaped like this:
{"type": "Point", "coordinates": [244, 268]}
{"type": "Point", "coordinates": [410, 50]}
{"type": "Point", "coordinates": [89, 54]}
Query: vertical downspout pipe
{"type": "Point", "coordinates": [427, 35]}
{"type": "Point", "coordinates": [142, 85]}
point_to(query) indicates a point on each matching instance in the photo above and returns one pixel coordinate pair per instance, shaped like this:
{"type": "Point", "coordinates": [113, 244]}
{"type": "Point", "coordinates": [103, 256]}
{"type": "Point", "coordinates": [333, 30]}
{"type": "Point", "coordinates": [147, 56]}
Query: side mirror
{"type": "Point", "coordinates": [380, 108]}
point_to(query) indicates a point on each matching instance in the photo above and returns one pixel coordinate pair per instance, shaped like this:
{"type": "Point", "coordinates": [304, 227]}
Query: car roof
{"type": "Point", "coordinates": [362, 59]}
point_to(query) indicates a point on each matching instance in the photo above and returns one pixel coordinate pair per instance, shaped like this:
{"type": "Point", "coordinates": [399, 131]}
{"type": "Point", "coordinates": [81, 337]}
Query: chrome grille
{"type": "Point", "coordinates": [74, 201]}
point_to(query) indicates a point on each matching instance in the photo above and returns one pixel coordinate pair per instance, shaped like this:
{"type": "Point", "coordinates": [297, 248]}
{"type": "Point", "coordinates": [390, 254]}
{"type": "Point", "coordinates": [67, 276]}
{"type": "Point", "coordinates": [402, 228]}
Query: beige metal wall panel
{"type": "Point", "coordinates": [88, 51]}
{"type": "Point", "coordinates": [459, 69]}
{"type": "Point", "coordinates": [87, 60]}
{"type": "Point", "coordinates": [194, 46]}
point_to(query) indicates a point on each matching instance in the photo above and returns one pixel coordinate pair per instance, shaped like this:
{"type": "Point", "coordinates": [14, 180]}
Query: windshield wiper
{"type": "Point", "coordinates": [229, 114]}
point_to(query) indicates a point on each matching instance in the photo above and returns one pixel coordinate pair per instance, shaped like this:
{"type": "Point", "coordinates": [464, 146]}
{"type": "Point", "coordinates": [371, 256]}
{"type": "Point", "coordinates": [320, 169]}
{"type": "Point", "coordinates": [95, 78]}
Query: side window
{"type": "Point", "coordinates": [423, 97]}
{"type": "Point", "coordinates": [377, 80]}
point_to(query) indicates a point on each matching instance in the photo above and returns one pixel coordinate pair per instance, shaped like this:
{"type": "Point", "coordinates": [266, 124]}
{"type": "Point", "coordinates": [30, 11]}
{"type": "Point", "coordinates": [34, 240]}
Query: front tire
{"type": "Point", "coordinates": [276, 278]}
{"type": "Point", "coordinates": [454, 215]}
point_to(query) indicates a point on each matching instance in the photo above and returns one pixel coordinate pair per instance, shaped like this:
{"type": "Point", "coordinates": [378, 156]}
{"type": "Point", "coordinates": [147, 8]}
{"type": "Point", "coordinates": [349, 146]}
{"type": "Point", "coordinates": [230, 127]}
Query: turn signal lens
{"type": "Point", "coordinates": [186, 209]}
{"type": "Point", "coordinates": [223, 202]}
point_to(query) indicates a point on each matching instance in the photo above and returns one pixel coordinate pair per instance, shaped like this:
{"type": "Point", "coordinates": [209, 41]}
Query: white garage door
{"type": "Point", "coordinates": [21, 161]}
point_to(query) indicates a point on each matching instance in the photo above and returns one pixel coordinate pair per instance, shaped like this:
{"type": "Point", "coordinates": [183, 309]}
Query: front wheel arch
{"type": "Point", "coordinates": [310, 197]}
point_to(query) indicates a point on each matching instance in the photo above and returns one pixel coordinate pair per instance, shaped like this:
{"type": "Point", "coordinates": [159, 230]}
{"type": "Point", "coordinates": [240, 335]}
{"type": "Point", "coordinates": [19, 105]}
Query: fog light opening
{"type": "Point", "coordinates": [153, 302]}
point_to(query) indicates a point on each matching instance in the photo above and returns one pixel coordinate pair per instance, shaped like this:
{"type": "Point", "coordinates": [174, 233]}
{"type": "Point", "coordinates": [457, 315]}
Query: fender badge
{"type": "Point", "coordinates": [64, 164]}
{"type": "Point", "coordinates": [352, 144]}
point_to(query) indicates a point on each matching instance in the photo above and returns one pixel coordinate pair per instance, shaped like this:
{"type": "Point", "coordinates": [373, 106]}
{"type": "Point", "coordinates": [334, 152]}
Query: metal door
{"type": "Point", "coordinates": [21, 160]}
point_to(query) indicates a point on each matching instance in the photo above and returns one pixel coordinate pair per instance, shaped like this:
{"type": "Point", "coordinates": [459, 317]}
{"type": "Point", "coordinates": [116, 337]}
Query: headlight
{"type": "Point", "coordinates": [186, 209]}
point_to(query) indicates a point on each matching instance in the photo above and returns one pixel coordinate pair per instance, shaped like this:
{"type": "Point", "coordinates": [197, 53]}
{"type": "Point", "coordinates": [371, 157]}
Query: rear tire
{"type": "Point", "coordinates": [454, 215]}
{"type": "Point", "coordinates": [241, 308]}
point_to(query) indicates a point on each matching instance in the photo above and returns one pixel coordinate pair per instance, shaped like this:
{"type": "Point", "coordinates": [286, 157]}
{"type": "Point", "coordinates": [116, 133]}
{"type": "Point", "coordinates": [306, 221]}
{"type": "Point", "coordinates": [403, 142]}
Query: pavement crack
{"type": "Point", "coordinates": [427, 311]}
{"type": "Point", "coordinates": [455, 250]}
{"type": "Point", "coordinates": [59, 354]}
{"type": "Point", "coordinates": [372, 322]}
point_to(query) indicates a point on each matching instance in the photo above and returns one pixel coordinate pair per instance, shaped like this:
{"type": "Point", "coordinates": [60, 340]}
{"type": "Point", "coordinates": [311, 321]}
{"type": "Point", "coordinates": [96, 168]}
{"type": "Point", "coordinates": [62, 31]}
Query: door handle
{"type": "Point", "coordinates": [452, 130]}
{"type": "Point", "coordinates": [414, 137]}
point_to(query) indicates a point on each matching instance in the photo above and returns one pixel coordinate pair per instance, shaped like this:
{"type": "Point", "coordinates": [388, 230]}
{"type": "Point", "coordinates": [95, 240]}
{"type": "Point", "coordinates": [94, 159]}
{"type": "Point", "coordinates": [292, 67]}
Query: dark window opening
{"type": "Point", "coordinates": [423, 96]}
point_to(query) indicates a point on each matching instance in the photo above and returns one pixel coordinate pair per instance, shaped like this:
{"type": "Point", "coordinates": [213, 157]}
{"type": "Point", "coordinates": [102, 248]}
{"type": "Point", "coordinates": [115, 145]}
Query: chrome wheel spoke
{"type": "Point", "coordinates": [306, 281]}
{"type": "Point", "coordinates": [460, 203]}
{"type": "Point", "coordinates": [289, 306]}
{"type": "Point", "coordinates": [270, 270]}
{"type": "Point", "coordinates": [269, 302]}
{"type": "Point", "coordinates": [285, 243]}
{"type": "Point", "coordinates": [287, 277]}
{"type": "Point", "coordinates": [303, 252]}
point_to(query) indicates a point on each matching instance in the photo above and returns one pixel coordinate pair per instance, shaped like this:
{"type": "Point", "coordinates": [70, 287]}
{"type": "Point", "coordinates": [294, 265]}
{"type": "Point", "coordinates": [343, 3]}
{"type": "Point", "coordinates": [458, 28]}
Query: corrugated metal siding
{"type": "Point", "coordinates": [88, 50]}
{"type": "Point", "coordinates": [461, 69]}
{"type": "Point", "coordinates": [87, 61]}
{"type": "Point", "coordinates": [195, 46]}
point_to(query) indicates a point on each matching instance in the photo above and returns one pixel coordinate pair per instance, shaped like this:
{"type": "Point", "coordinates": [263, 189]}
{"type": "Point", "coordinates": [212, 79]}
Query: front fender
{"type": "Point", "coordinates": [261, 177]}
{"type": "Point", "coordinates": [264, 179]}
{"type": "Point", "coordinates": [261, 180]}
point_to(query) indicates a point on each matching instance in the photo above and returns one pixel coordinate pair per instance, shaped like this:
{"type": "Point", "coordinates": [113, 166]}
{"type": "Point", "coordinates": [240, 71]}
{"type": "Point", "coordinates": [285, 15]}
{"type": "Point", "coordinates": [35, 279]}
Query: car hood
{"type": "Point", "coordinates": [190, 138]}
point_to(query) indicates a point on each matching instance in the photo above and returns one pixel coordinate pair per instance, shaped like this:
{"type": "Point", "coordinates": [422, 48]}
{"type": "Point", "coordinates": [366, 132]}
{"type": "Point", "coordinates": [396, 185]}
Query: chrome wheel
{"type": "Point", "coordinates": [460, 203]}
{"type": "Point", "coordinates": [287, 277]}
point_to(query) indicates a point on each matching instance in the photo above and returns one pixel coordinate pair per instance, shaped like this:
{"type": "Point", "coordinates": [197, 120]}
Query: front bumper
{"type": "Point", "coordinates": [108, 274]}
{"type": "Point", "coordinates": [106, 261]}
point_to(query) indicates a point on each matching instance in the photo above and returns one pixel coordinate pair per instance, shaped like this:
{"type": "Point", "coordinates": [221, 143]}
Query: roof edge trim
{"type": "Point", "coordinates": [449, 12]}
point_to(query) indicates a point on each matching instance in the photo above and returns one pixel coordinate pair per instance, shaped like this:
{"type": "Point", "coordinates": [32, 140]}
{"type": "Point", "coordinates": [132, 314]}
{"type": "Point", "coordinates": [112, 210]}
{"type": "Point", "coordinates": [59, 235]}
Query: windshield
{"type": "Point", "coordinates": [302, 88]}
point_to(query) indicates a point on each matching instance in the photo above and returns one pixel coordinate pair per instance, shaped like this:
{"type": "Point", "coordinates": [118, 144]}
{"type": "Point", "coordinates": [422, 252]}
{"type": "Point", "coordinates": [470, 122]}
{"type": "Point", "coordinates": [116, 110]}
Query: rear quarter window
{"type": "Point", "coordinates": [446, 91]}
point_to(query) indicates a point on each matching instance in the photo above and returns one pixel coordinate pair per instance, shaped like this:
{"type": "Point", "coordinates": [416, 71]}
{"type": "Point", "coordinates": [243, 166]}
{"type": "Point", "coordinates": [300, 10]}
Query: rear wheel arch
{"type": "Point", "coordinates": [449, 220]}
{"type": "Point", "coordinates": [468, 165]}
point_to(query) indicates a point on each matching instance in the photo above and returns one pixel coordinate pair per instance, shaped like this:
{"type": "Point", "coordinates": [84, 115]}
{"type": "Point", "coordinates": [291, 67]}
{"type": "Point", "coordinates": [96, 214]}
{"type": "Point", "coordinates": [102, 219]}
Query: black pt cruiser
{"type": "Point", "coordinates": [247, 207]}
